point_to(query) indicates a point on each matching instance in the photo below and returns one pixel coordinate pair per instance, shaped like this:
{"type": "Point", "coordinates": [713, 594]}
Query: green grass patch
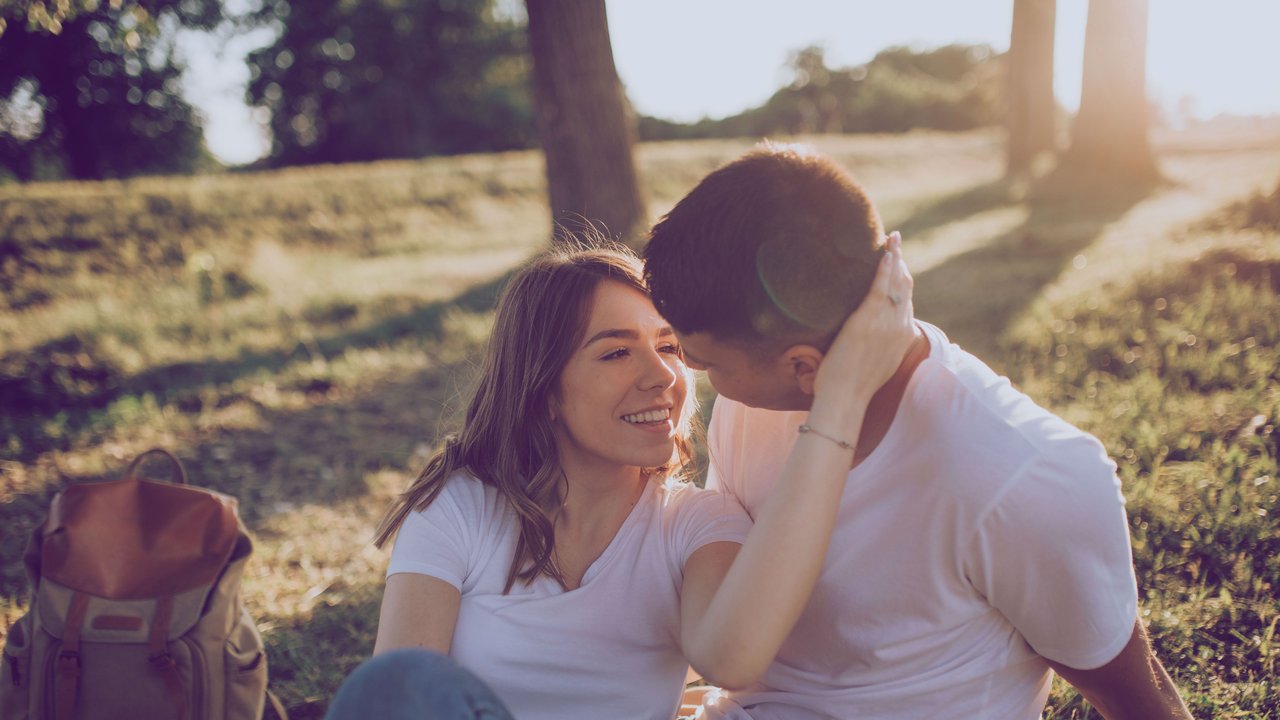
{"type": "Point", "coordinates": [1179, 375]}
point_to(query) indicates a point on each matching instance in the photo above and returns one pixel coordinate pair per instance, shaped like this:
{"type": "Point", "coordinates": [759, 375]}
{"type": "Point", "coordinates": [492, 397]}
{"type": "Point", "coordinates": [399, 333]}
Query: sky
{"type": "Point", "coordinates": [687, 59]}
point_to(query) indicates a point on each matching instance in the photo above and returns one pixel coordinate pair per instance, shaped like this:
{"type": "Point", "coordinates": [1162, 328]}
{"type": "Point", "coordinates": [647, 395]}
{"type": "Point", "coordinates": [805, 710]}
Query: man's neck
{"type": "Point", "coordinates": [884, 404]}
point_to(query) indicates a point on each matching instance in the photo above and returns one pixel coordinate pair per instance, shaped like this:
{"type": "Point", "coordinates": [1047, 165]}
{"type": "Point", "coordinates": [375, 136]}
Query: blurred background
{"type": "Point", "coordinates": [207, 84]}
{"type": "Point", "coordinates": [268, 235]}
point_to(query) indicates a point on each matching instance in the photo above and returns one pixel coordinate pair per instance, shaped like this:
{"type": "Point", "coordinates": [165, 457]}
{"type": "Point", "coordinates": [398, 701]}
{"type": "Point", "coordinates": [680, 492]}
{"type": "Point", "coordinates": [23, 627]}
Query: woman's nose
{"type": "Point", "coordinates": [657, 372]}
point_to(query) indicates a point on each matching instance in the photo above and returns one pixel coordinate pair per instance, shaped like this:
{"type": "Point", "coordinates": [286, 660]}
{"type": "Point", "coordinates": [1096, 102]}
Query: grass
{"type": "Point", "coordinates": [302, 337]}
{"type": "Point", "coordinates": [1179, 375]}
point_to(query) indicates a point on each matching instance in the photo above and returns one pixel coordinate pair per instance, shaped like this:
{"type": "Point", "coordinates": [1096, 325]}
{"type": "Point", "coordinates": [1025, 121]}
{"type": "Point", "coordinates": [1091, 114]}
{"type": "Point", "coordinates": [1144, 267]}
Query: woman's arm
{"type": "Point", "coordinates": [417, 611]}
{"type": "Point", "coordinates": [738, 606]}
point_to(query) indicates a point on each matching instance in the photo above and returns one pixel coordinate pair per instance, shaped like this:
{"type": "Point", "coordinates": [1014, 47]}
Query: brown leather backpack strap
{"type": "Point", "coordinates": [67, 684]}
{"type": "Point", "coordinates": [161, 661]}
{"type": "Point", "coordinates": [179, 474]}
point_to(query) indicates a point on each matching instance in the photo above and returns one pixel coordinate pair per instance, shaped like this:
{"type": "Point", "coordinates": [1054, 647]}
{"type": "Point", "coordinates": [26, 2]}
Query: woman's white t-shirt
{"type": "Point", "coordinates": [607, 649]}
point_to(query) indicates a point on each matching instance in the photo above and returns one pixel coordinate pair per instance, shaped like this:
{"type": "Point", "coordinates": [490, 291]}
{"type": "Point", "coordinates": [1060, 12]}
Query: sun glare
{"type": "Point", "coordinates": [1222, 56]}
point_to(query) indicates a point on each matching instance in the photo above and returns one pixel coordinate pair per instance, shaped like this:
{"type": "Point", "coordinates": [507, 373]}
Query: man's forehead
{"type": "Point", "coordinates": [703, 346]}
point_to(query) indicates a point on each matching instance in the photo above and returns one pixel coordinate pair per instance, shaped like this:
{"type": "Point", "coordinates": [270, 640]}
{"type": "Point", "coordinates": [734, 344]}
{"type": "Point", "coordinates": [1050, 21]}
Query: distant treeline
{"type": "Point", "coordinates": [98, 96]}
{"type": "Point", "coordinates": [956, 87]}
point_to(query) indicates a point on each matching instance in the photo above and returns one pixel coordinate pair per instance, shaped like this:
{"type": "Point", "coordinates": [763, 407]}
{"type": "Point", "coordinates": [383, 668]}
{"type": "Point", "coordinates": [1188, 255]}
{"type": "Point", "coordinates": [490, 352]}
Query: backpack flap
{"type": "Point", "coordinates": [117, 621]}
{"type": "Point", "coordinates": [137, 539]}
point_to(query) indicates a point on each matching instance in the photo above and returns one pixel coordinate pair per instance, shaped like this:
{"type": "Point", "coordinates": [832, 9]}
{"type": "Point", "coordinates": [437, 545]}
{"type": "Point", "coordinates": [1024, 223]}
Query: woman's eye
{"type": "Point", "coordinates": [673, 349]}
{"type": "Point", "coordinates": [619, 353]}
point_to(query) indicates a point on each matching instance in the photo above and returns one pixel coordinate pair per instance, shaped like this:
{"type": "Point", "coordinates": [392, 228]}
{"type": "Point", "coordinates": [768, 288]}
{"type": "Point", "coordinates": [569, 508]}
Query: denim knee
{"type": "Point", "coordinates": [415, 683]}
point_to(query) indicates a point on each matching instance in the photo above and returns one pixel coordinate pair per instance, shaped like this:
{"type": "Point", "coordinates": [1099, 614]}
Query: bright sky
{"type": "Point", "coordinates": [686, 59]}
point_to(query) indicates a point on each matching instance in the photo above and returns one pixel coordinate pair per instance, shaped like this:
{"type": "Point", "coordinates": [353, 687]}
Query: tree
{"type": "Point", "coordinates": [584, 123]}
{"type": "Point", "coordinates": [1111, 135]}
{"type": "Point", "coordinates": [1029, 118]}
{"type": "Point", "coordinates": [91, 90]}
{"type": "Point", "coordinates": [358, 81]}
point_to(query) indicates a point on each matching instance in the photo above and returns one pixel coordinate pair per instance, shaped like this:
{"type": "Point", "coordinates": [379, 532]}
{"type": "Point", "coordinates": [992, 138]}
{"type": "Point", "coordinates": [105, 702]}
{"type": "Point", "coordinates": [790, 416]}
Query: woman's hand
{"type": "Point", "coordinates": [873, 341]}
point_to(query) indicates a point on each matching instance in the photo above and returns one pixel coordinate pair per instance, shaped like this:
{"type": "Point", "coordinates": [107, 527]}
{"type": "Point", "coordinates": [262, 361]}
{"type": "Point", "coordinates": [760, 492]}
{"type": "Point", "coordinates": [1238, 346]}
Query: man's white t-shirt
{"type": "Point", "coordinates": [607, 649]}
{"type": "Point", "coordinates": [982, 535]}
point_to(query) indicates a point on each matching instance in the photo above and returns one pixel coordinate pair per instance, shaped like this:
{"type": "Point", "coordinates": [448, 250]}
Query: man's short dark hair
{"type": "Point", "coordinates": [778, 245]}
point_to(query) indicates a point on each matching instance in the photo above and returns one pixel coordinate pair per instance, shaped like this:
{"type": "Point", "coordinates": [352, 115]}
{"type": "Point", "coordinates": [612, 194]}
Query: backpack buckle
{"type": "Point", "coordinates": [68, 663]}
{"type": "Point", "coordinates": [163, 661]}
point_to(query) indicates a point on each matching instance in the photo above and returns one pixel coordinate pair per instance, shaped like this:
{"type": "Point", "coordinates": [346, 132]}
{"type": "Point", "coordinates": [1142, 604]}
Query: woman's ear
{"type": "Point", "coordinates": [801, 363]}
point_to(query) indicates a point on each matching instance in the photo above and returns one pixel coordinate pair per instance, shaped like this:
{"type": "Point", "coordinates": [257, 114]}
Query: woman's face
{"type": "Point", "coordinates": [621, 394]}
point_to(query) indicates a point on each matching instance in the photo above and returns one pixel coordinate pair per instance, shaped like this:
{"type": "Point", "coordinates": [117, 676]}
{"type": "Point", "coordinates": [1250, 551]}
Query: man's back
{"type": "Point", "coordinates": [980, 528]}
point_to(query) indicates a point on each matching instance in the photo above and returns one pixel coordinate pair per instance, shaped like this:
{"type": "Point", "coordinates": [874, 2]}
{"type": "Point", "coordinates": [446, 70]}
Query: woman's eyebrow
{"type": "Point", "coordinates": [623, 333]}
{"type": "Point", "coordinates": [612, 333]}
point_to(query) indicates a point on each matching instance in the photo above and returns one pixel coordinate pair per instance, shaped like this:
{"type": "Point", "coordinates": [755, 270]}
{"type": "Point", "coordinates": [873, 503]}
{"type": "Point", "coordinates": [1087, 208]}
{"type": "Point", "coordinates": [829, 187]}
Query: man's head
{"type": "Point", "coordinates": [757, 267]}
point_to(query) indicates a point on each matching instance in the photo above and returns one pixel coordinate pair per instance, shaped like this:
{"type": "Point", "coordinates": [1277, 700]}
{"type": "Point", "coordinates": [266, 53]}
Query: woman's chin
{"type": "Point", "coordinates": [654, 458]}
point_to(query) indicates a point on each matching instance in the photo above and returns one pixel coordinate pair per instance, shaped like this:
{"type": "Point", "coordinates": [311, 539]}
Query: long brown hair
{"type": "Point", "coordinates": [506, 440]}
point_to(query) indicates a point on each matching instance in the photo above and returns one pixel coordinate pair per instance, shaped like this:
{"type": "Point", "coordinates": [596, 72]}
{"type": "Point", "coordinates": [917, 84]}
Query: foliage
{"type": "Point", "coordinates": [91, 90]}
{"type": "Point", "coordinates": [956, 87]}
{"type": "Point", "coordinates": [1260, 211]}
{"type": "Point", "coordinates": [357, 81]}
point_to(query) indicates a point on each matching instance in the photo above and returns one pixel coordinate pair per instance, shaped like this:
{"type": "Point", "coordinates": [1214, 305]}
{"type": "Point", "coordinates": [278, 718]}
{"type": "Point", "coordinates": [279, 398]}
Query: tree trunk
{"type": "Point", "coordinates": [584, 124]}
{"type": "Point", "coordinates": [1031, 113]}
{"type": "Point", "coordinates": [1111, 136]}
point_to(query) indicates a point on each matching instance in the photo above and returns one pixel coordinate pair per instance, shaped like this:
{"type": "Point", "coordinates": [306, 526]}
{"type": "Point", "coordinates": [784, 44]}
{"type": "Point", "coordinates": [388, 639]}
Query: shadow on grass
{"type": "Point", "coordinates": [975, 295]}
{"type": "Point", "coordinates": [61, 385]}
{"type": "Point", "coordinates": [286, 458]}
{"type": "Point", "coordinates": [957, 206]}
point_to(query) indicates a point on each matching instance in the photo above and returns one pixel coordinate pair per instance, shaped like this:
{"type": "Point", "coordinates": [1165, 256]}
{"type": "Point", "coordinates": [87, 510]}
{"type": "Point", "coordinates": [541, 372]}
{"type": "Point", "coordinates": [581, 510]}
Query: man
{"type": "Point", "coordinates": [980, 542]}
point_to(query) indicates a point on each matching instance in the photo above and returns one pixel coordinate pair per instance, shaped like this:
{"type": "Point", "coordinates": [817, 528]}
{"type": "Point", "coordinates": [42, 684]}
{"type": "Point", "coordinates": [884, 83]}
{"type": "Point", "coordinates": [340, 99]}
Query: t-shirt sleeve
{"type": "Point", "coordinates": [437, 541]}
{"type": "Point", "coordinates": [704, 517]}
{"type": "Point", "coordinates": [1052, 554]}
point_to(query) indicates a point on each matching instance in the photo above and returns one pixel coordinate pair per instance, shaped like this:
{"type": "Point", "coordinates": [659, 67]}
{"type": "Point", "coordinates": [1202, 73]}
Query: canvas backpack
{"type": "Point", "coordinates": [135, 610]}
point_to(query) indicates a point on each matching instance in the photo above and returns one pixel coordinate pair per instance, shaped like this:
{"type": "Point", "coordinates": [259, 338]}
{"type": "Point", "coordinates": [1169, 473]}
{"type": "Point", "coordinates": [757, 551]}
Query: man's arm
{"type": "Point", "coordinates": [1134, 685]}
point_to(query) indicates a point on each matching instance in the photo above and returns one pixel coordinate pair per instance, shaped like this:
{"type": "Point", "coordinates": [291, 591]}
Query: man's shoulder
{"type": "Point", "coordinates": [737, 424]}
{"type": "Point", "coordinates": [735, 411]}
{"type": "Point", "coordinates": [962, 405]}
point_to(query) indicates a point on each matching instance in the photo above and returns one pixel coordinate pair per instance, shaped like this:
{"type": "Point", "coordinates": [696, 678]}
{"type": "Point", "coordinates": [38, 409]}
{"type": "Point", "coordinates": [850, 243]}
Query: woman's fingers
{"type": "Point", "coordinates": [884, 276]}
{"type": "Point", "coordinates": [893, 283]}
{"type": "Point", "coordinates": [902, 284]}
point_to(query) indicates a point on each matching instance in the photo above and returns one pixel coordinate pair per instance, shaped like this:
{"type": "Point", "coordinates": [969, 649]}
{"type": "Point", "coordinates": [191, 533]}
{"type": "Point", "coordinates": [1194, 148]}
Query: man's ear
{"type": "Point", "coordinates": [801, 362]}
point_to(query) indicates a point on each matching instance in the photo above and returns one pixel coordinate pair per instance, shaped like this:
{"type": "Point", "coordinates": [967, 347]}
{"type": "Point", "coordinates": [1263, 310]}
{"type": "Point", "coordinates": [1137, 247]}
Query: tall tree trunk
{"type": "Point", "coordinates": [584, 123]}
{"type": "Point", "coordinates": [1030, 118]}
{"type": "Point", "coordinates": [1111, 135]}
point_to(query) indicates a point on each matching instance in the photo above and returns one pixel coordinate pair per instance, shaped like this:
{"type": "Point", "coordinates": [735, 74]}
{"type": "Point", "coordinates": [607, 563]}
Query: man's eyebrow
{"type": "Point", "coordinates": [623, 333]}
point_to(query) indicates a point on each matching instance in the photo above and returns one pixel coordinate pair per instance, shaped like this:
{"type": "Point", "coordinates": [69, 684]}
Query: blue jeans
{"type": "Point", "coordinates": [415, 684]}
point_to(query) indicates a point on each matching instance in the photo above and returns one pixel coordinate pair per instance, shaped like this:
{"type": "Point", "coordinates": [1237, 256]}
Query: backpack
{"type": "Point", "coordinates": [135, 609]}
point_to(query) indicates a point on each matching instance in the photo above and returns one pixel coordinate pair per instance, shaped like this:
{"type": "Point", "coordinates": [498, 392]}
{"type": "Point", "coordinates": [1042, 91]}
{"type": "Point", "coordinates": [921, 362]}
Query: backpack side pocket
{"type": "Point", "coordinates": [15, 676]}
{"type": "Point", "coordinates": [246, 669]}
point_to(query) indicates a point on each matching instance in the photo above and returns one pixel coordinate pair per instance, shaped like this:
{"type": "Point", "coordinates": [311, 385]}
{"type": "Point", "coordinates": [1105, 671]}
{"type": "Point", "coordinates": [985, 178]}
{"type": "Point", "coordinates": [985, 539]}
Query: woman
{"type": "Point", "coordinates": [546, 546]}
